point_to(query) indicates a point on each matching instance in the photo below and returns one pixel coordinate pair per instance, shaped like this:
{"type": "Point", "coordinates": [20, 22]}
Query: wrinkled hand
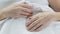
{"type": "Point", "coordinates": [39, 21]}
{"type": "Point", "coordinates": [18, 10]}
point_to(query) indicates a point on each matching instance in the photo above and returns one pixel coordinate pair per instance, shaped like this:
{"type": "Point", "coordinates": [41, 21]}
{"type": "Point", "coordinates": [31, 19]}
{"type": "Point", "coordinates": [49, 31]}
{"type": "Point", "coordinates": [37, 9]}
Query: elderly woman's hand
{"type": "Point", "coordinates": [18, 10]}
{"type": "Point", "coordinates": [39, 21]}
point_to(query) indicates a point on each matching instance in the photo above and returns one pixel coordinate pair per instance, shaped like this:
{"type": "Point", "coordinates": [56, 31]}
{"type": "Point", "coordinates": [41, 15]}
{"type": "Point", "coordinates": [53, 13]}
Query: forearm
{"type": "Point", "coordinates": [2, 15]}
{"type": "Point", "coordinates": [57, 16]}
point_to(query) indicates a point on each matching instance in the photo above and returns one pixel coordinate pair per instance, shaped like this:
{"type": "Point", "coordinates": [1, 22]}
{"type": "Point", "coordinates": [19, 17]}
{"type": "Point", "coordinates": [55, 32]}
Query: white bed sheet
{"type": "Point", "coordinates": [17, 26]}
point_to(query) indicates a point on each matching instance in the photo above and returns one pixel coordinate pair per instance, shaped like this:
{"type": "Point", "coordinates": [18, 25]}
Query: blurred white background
{"type": "Point", "coordinates": [4, 3]}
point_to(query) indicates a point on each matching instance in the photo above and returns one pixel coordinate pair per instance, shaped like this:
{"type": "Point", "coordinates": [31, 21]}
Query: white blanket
{"type": "Point", "coordinates": [17, 26]}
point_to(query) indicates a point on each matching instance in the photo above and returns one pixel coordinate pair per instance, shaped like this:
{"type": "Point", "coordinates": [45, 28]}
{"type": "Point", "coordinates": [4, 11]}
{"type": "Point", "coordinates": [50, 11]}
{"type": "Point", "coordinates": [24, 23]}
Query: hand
{"type": "Point", "coordinates": [39, 21]}
{"type": "Point", "coordinates": [18, 10]}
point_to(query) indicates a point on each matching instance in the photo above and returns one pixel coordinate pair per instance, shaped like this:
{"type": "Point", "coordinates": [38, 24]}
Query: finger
{"type": "Point", "coordinates": [35, 26]}
{"type": "Point", "coordinates": [28, 11]}
{"type": "Point", "coordinates": [22, 15]}
{"type": "Point", "coordinates": [26, 6]}
{"type": "Point", "coordinates": [25, 13]}
{"type": "Point", "coordinates": [24, 9]}
{"type": "Point", "coordinates": [18, 16]}
{"type": "Point", "coordinates": [28, 16]}
{"type": "Point", "coordinates": [41, 22]}
{"type": "Point", "coordinates": [31, 20]}
{"type": "Point", "coordinates": [39, 28]}
{"type": "Point", "coordinates": [21, 12]}
{"type": "Point", "coordinates": [35, 23]}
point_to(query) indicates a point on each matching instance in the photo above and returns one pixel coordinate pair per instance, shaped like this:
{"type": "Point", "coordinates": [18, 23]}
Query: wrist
{"type": "Point", "coordinates": [3, 14]}
{"type": "Point", "coordinates": [57, 16]}
{"type": "Point", "coordinates": [52, 15]}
